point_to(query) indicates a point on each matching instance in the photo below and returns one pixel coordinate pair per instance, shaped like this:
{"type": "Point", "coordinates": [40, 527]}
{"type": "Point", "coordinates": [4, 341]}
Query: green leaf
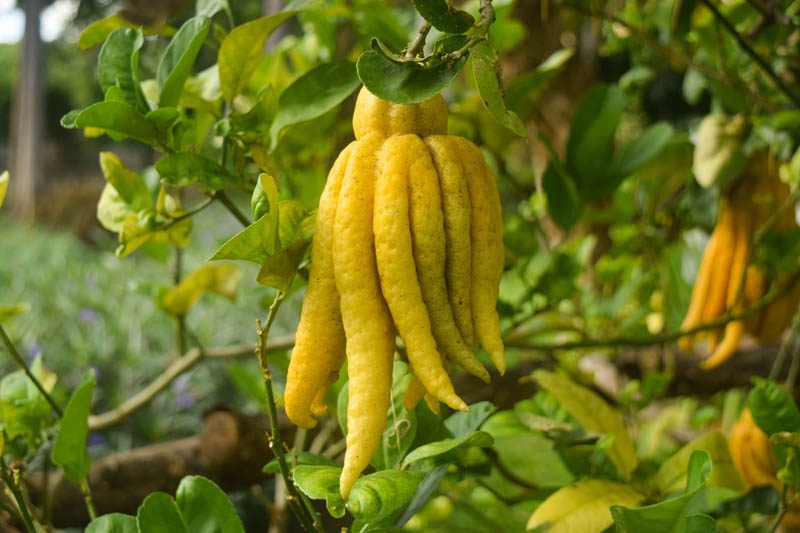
{"type": "Point", "coordinates": [114, 117]}
{"type": "Point", "coordinates": [489, 80]}
{"type": "Point", "coordinates": [461, 423]}
{"type": "Point", "coordinates": [404, 83]}
{"type": "Point", "coordinates": [118, 65]}
{"type": "Point", "coordinates": [23, 409]}
{"type": "Point", "coordinates": [113, 523]}
{"type": "Point", "coordinates": [129, 185]}
{"type": "Point", "coordinates": [378, 495]}
{"type": "Point", "coordinates": [443, 17]}
{"type": "Point", "coordinates": [209, 8]}
{"type": "Point", "coordinates": [563, 200]}
{"type": "Point", "coordinates": [242, 50]}
{"type": "Point", "coordinates": [321, 483]}
{"type": "Point", "coordinates": [642, 149]}
{"type": "Point", "coordinates": [773, 407]}
{"type": "Point", "coordinates": [591, 138]}
{"type": "Point", "coordinates": [674, 515]}
{"type": "Point", "coordinates": [258, 241]}
{"type": "Point", "coordinates": [69, 450]}
{"type": "Point", "coordinates": [523, 93]}
{"type": "Point", "coordinates": [221, 279]}
{"type": "Point", "coordinates": [205, 508]}
{"type": "Point", "coordinates": [718, 156]}
{"type": "Point", "coordinates": [594, 414]}
{"type": "Point", "coordinates": [583, 506]}
{"type": "Point", "coordinates": [434, 449]}
{"type": "Point", "coordinates": [184, 169]}
{"type": "Point", "coordinates": [4, 179]}
{"type": "Point", "coordinates": [672, 475]}
{"type": "Point", "coordinates": [97, 32]}
{"type": "Point", "coordinates": [425, 490]}
{"type": "Point", "coordinates": [302, 458]}
{"type": "Point", "coordinates": [159, 514]}
{"type": "Point", "coordinates": [10, 311]}
{"type": "Point", "coordinates": [313, 94]}
{"type": "Point", "coordinates": [278, 270]}
{"type": "Point", "coordinates": [176, 63]}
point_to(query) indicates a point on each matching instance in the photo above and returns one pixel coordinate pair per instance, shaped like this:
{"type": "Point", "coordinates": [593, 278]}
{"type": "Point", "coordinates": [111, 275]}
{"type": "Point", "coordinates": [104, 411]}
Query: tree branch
{"type": "Point", "coordinates": [178, 367]}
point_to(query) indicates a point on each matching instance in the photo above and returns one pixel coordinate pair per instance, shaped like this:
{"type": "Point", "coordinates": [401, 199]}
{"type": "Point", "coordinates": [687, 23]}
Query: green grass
{"type": "Point", "coordinates": [90, 309]}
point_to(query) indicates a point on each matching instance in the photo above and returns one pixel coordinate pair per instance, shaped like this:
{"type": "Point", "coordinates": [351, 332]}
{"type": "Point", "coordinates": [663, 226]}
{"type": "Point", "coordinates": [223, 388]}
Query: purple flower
{"type": "Point", "coordinates": [88, 314]}
{"type": "Point", "coordinates": [34, 350]}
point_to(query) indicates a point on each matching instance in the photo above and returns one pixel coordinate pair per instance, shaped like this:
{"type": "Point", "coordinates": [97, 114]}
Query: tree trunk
{"type": "Point", "coordinates": [25, 152]}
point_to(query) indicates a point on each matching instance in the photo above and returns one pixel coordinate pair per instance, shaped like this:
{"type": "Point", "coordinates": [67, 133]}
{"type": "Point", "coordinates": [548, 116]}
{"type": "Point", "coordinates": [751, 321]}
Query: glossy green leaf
{"type": "Point", "coordinates": [672, 515]}
{"type": "Point", "coordinates": [242, 50]}
{"type": "Point", "coordinates": [313, 94]}
{"type": "Point", "coordinates": [718, 156]}
{"type": "Point", "coordinates": [461, 423]}
{"type": "Point", "coordinates": [523, 93]}
{"type": "Point", "coordinates": [773, 407]}
{"type": "Point", "coordinates": [321, 483]}
{"type": "Point", "coordinates": [205, 507]}
{"type": "Point", "coordinates": [583, 506]}
{"type": "Point", "coordinates": [642, 149]}
{"type": "Point", "coordinates": [376, 496]}
{"type": "Point", "coordinates": [114, 117]}
{"type": "Point", "coordinates": [184, 169]}
{"type": "Point", "coordinates": [404, 83]}
{"type": "Point", "coordinates": [222, 279]}
{"type": "Point", "coordinates": [591, 139]}
{"type": "Point", "coordinates": [4, 179]}
{"type": "Point", "coordinates": [594, 414]}
{"type": "Point", "coordinates": [113, 523]}
{"type": "Point", "coordinates": [159, 513]}
{"type": "Point", "coordinates": [489, 80]}
{"type": "Point", "coordinates": [118, 65]}
{"type": "Point", "coordinates": [259, 241]}
{"type": "Point", "coordinates": [443, 16]}
{"type": "Point", "coordinates": [426, 488]}
{"type": "Point", "coordinates": [563, 200]}
{"type": "Point", "coordinates": [176, 63]}
{"type": "Point", "coordinates": [434, 449]}
{"type": "Point", "coordinates": [129, 185]}
{"type": "Point", "coordinates": [69, 450]}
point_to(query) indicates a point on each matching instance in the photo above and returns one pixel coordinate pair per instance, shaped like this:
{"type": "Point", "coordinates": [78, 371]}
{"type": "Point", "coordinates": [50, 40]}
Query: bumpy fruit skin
{"type": "Point", "coordinates": [367, 322]}
{"type": "Point", "coordinates": [751, 452]}
{"type": "Point", "coordinates": [409, 240]}
{"type": "Point", "coordinates": [319, 343]}
{"type": "Point", "coordinates": [401, 156]}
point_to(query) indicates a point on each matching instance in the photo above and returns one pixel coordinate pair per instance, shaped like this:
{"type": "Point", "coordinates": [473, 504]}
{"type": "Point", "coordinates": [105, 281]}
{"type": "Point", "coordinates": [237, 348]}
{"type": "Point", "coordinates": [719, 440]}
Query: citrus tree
{"type": "Point", "coordinates": [500, 323]}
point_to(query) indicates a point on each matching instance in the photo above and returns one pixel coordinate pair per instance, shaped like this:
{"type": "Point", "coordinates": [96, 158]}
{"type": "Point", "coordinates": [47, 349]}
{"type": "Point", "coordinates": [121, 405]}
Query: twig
{"type": "Point", "coordinates": [21, 363]}
{"type": "Point", "coordinates": [87, 498]}
{"type": "Point", "coordinates": [230, 206]}
{"type": "Point", "coordinates": [20, 499]}
{"type": "Point", "coordinates": [307, 520]}
{"type": "Point", "coordinates": [178, 367]}
{"type": "Point", "coordinates": [177, 273]}
{"type": "Point", "coordinates": [416, 46]}
{"type": "Point", "coordinates": [744, 45]}
{"type": "Point", "coordinates": [783, 352]}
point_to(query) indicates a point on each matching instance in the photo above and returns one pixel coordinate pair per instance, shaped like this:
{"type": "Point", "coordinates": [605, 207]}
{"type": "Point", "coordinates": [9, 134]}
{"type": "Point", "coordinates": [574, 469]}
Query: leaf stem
{"type": "Point", "coordinates": [86, 491]}
{"type": "Point", "coordinates": [8, 479]}
{"type": "Point", "coordinates": [307, 520]}
{"type": "Point", "coordinates": [416, 46]}
{"type": "Point", "coordinates": [744, 45]}
{"type": "Point", "coordinates": [21, 363]}
{"type": "Point", "coordinates": [230, 206]}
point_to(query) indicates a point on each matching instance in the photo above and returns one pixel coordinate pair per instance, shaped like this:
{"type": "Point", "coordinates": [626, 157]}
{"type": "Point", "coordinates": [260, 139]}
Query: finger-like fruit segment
{"type": "Point", "coordinates": [751, 452]}
{"type": "Point", "coordinates": [700, 290]}
{"type": "Point", "coordinates": [414, 393]}
{"type": "Point", "coordinates": [319, 342]}
{"type": "Point", "coordinates": [486, 233]}
{"type": "Point", "coordinates": [366, 319]}
{"type": "Point", "coordinates": [401, 156]}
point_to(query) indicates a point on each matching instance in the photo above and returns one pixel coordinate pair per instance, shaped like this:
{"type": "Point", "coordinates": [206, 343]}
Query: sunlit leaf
{"type": "Point", "coordinates": [583, 506]}
{"type": "Point", "coordinates": [594, 414]}
{"type": "Point", "coordinates": [320, 482]}
{"type": "Point", "coordinates": [773, 407]}
{"type": "Point", "coordinates": [97, 32]}
{"type": "Point", "coordinates": [176, 63]}
{"type": "Point", "coordinates": [221, 279]}
{"type": "Point", "coordinates": [477, 438]}
{"type": "Point", "coordinates": [159, 513]}
{"type": "Point", "coordinates": [205, 507]}
{"type": "Point", "coordinates": [114, 117]}
{"type": "Point", "coordinates": [376, 496]}
{"type": "Point", "coordinates": [129, 185]}
{"type": "Point", "coordinates": [718, 156]}
{"type": "Point", "coordinates": [671, 476]}
{"type": "Point", "coordinates": [242, 51]}
{"type": "Point", "coordinates": [113, 523]}
{"type": "Point", "coordinates": [4, 178]}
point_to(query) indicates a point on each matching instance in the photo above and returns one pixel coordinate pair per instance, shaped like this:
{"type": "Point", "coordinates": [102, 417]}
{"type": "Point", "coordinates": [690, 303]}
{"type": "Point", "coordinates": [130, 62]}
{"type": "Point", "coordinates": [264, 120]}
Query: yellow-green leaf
{"type": "Point", "coordinates": [718, 156]}
{"type": "Point", "coordinates": [3, 186]}
{"type": "Point", "coordinates": [242, 50]}
{"type": "Point", "coordinates": [218, 278]}
{"type": "Point", "coordinates": [96, 32]}
{"type": "Point", "coordinates": [671, 476]}
{"type": "Point", "coordinates": [129, 185]}
{"type": "Point", "coordinates": [584, 506]}
{"type": "Point", "coordinates": [10, 311]}
{"type": "Point", "coordinates": [594, 414]}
